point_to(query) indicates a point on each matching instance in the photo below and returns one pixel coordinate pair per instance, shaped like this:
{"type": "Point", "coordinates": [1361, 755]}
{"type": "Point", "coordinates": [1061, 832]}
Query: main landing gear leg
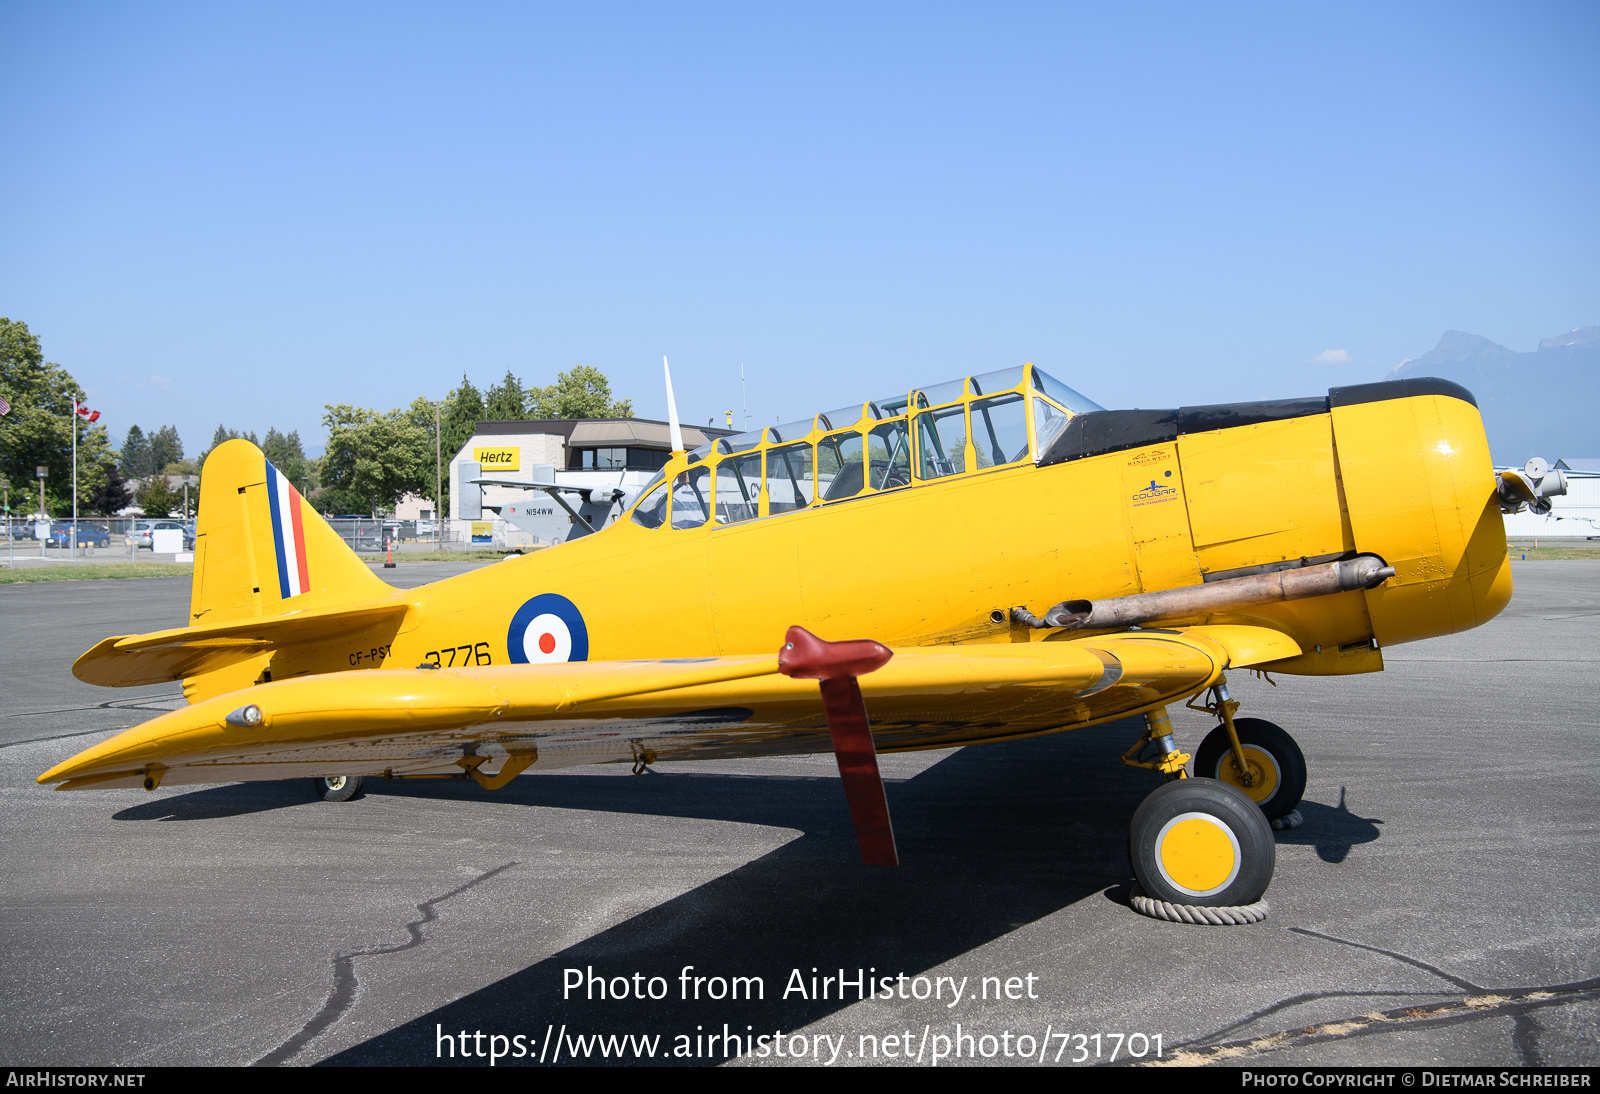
{"type": "Point", "coordinates": [1255, 756]}
{"type": "Point", "coordinates": [1158, 733]}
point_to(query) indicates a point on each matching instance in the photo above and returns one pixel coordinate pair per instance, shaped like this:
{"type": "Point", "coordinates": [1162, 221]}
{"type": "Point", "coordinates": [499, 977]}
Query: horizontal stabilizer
{"type": "Point", "coordinates": [154, 658]}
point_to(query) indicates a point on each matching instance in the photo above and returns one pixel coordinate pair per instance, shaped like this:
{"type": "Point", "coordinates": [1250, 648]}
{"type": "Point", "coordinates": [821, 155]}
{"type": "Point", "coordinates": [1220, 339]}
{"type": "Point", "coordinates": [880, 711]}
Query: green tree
{"type": "Point", "coordinates": [506, 401]}
{"type": "Point", "coordinates": [581, 392]}
{"type": "Point", "coordinates": [157, 499]}
{"type": "Point", "coordinates": [373, 459]}
{"type": "Point", "coordinates": [436, 464]}
{"type": "Point", "coordinates": [38, 428]}
{"type": "Point", "coordinates": [134, 459]}
{"type": "Point", "coordinates": [111, 496]}
{"type": "Point", "coordinates": [165, 448]}
{"type": "Point", "coordinates": [460, 415]}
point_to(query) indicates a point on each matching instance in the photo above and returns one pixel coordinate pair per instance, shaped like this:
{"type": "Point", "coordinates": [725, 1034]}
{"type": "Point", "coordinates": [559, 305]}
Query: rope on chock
{"type": "Point", "coordinates": [1193, 913]}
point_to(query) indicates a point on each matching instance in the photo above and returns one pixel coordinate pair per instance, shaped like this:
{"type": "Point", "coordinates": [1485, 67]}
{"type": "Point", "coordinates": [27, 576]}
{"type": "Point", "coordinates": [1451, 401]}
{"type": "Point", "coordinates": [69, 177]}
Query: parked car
{"type": "Point", "coordinates": [25, 527]}
{"type": "Point", "coordinates": [88, 534]}
{"type": "Point", "coordinates": [140, 533]}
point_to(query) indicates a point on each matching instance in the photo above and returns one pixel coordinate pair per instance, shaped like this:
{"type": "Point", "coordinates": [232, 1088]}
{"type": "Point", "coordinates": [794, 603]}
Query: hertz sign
{"type": "Point", "coordinates": [497, 459]}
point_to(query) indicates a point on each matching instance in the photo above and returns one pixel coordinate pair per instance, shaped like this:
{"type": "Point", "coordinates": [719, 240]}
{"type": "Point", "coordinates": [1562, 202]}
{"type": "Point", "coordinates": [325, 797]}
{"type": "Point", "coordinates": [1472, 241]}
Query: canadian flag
{"type": "Point", "coordinates": [85, 413]}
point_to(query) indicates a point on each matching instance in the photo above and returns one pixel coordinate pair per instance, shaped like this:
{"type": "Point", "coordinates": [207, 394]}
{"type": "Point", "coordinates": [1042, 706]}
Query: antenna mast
{"type": "Point", "coordinates": [672, 410]}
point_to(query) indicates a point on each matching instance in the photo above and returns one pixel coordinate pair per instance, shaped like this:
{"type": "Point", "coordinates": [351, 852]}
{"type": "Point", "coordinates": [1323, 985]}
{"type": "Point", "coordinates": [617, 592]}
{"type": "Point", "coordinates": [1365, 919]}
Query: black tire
{"type": "Point", "coordinates": [1277, 762]}
{"type": "Point", "coordinates": [103, 543]}
{"type": "Point", "coordinates": [1218, 845]}
{"type": "Point", "coordinates": [337, 788]}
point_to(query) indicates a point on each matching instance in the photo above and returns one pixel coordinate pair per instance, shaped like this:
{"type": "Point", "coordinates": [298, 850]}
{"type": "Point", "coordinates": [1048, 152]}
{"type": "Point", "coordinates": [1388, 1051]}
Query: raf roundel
{"type": "Point", "coordinates": [547, 629]}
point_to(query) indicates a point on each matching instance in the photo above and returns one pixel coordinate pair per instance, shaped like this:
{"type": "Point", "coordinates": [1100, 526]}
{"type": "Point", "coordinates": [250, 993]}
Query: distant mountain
{"type": "Point", "coordinates": [1545, 403]}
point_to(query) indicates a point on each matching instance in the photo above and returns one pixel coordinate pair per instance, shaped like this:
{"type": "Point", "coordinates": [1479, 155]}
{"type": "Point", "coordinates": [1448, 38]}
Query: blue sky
{"type": "Point", "coordinates": [239, 212]}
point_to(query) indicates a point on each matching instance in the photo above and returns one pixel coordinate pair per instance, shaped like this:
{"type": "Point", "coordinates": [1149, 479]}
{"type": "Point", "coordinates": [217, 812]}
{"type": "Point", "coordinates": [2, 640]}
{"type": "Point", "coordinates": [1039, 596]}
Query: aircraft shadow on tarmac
{"type": "Point", "coordinates": [991, 838]}
{"type": "Point", "coordinates": [218, 802]}
{"type": "Point", "coordinates": [1332, 831]}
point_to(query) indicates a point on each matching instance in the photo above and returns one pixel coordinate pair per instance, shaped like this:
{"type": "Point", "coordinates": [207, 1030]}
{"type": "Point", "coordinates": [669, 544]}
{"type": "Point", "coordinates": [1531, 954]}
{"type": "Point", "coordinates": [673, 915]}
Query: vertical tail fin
{"type": "Point", "coordinates": [261, 549]}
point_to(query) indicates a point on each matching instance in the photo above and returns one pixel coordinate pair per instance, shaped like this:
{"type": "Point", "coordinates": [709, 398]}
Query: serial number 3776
{"type": "Point", "coordinates": [468, 654]}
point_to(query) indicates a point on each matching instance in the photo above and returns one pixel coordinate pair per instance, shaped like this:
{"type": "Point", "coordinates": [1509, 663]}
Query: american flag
{"type": "Point", "coordinates": [5, 407]}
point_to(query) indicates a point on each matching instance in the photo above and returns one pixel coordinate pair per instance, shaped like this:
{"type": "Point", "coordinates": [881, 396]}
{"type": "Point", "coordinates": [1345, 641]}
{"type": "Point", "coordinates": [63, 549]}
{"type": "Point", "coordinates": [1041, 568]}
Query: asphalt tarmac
{"type": "Point", "coordinates": [1439, 905]}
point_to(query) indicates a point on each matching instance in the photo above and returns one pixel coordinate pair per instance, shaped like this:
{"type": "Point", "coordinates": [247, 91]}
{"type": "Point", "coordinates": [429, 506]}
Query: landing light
{"type": "Point", "coordinates": [245, 717]}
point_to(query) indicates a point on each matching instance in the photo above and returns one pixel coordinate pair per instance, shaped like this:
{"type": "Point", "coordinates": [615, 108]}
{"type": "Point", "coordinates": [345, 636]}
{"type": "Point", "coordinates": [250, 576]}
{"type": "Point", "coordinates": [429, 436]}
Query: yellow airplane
{"type": "Point", "coordinates": [1004, 557]}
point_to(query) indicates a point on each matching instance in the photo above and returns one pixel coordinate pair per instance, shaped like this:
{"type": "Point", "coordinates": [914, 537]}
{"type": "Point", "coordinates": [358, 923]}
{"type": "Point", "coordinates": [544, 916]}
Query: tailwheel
{"type": "Point", "coordinates": [337, 788]}
{"type": "Point", "coordinates": [1200, 843]}
{"type": "Point", "coordinates": [1275, 765]}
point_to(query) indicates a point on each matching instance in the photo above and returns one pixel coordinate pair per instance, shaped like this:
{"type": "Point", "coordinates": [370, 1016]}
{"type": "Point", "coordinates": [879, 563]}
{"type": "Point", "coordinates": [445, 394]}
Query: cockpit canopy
{"type": "Point", "coordinates": [966, 426]}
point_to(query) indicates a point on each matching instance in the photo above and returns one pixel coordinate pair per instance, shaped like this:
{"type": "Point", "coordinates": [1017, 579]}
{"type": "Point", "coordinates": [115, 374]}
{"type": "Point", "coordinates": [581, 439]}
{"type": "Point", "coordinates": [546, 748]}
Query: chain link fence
{"type": "Point", "coordinates": [91, 529]}
{"type": "Point", "coordinates": [369, 534]}
{"type": "Point", "coordinates": [358, 533]}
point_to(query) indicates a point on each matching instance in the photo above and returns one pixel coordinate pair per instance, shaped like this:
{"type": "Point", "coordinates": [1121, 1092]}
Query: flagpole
{"type": "Point", "coordinates": [73, 533]}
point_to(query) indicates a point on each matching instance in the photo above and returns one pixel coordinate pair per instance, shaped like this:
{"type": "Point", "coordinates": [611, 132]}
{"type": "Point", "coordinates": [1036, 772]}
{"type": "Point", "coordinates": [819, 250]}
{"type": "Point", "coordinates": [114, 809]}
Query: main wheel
{"type": "Point", "coordinates": [337, 788]}
{"type": "Point", "coordinates": [1199, 841]}
{"type": "Point", "coordinates": [1277, 766]}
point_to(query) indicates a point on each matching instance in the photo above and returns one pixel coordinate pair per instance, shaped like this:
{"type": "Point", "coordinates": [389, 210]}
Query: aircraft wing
{"type": "Point", "coordinates": [555, 492]}
{"type": "Point", "coordinates": [547, 487]}
{"type": "Point", "coordinates": [401, 723]}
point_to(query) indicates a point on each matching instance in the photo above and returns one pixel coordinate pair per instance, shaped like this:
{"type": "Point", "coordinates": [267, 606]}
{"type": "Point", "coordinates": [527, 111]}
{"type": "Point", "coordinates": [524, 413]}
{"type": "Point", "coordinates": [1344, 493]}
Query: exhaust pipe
{"type": "Point", "coordinates": [1361, 572]}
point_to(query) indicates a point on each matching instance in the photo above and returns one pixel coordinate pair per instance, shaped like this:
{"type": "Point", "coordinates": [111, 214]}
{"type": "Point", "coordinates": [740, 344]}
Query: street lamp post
{"type": "Point", "coordinates": [72, 532]}
{"type": "Point", "coordinates": [41, 470]}
{"type": "Point", "coordinates": [11, 558]}
{"type": "Point", "coordinates": [438, 483]}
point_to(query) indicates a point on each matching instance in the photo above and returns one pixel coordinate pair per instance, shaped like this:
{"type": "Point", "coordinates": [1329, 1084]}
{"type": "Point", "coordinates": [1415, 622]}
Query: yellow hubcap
{"type": "Point", "coordinates": [1263, 769]}
{"type": "Point", "coordinates": [1198, 853]}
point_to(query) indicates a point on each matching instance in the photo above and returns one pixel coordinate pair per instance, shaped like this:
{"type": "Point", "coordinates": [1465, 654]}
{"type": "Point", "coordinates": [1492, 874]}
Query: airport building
{"type": "Point", "coordinates": [599, 457]}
